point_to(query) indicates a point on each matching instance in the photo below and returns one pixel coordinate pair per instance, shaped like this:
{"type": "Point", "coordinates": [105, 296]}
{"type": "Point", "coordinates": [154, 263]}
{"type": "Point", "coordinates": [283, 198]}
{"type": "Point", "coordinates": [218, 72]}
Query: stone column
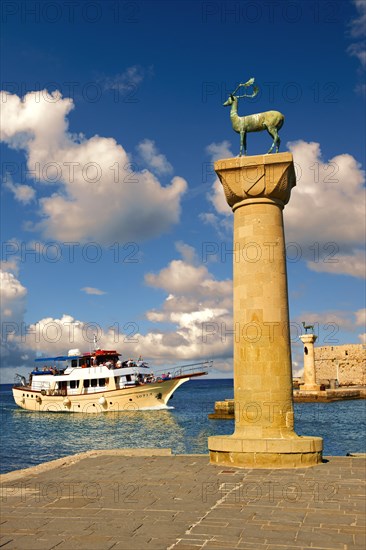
{"type": "Point", "coordinates": [309, 363]}
{"type": "Point", "coordinates": [257, 188]}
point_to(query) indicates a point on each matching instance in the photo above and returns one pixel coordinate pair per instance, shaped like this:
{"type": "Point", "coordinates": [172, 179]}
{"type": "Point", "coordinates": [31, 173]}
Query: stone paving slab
{"type": "Point", "coordinates": [155, 500]}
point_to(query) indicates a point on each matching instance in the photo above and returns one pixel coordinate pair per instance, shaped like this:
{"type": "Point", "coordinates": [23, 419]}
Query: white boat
{"type": "Point", "coordinates": [98, 382]}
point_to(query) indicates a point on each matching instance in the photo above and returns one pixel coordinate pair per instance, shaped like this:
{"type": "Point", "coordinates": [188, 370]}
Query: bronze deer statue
{"type": "Point", "coordinates": [271, 121]}
{"type": "Point", "coordinates": [307, 327]}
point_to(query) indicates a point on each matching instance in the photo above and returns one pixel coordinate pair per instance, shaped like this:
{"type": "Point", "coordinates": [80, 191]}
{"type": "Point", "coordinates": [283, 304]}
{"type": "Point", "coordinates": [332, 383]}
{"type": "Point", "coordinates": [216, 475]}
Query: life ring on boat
{"type": "Point", "coordinates": [66, 402]}
{"type": "Point", "coordinates": [38, 399]}
{"type": "Point", "coordinates": [43, 392]}
{"type": "Point", "coordinates": [102, 400]}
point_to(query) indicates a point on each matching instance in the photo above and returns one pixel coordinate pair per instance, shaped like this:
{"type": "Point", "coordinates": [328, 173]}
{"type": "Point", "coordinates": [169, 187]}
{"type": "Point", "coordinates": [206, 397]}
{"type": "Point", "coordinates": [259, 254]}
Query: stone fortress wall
{"type": "Point", "coordinates": [350, 360]}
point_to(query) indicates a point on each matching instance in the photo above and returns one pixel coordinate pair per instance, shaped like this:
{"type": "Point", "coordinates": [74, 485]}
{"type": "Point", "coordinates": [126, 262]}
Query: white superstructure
{"type": "Point", "coordinates": [99, 382]}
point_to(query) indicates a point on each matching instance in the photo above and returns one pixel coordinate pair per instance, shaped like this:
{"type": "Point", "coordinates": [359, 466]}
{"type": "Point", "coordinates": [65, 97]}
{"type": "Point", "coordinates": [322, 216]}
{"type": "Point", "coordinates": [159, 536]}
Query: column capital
{"type": "Point", "coordinates": [308, 338]}
{"type": "Point", "coordinates": [268, 177]}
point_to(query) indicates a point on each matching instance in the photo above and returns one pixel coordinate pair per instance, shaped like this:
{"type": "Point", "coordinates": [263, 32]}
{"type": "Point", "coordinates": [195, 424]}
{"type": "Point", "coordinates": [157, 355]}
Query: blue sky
{"type": "Point", "coordinates": [112, 216]}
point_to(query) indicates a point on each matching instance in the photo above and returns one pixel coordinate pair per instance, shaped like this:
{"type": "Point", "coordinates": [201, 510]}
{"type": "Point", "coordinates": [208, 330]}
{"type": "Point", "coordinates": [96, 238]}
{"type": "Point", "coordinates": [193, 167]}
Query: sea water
{"type": "Point", "coordinates": [30, 438]}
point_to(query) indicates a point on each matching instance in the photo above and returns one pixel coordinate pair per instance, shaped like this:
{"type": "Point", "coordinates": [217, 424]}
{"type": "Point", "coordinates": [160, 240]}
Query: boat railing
{"type": "Point", "coordinates": [20, 380]}
{"type": "Point", "coordinates": [190, 369]}
{"type": "Point", "coordinates": [52, 391]}
{"type": "Point", "coordinates": [39, 386]}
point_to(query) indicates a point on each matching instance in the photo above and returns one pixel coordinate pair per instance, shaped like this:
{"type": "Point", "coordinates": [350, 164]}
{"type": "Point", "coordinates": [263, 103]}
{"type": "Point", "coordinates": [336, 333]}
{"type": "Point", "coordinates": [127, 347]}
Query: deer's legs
{"type": "Point", "coordinates": [278, 142]}
{"type": "Point", "coordinates": [243, 143]}
{"type": "Point", "coordinates": [276, 139]}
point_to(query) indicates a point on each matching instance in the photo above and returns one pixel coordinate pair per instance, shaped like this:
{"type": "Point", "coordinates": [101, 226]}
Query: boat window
{"type": "Point", "coordinates": [74, 384]}
{"type": "Point", "coordinates": [101, 381]}
{"type": "Point", "coordinates": [74, 363]}
{"type": "Point", "coordinates": [86, 383]}
{"type": "Point", "coordinates": [94, 382]}
{"type": "Point", "coordinates": [128, 378]}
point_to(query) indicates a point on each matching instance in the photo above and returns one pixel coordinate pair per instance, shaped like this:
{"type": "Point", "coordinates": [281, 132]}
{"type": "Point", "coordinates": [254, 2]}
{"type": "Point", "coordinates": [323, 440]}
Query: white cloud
{"type": "Point", "coordinates": [357, 49]}
{"type": "Point", "coordinates": [219, 150]}
{"type": "Point", "coordinates": [343, 319]}
{"type": "Point", "coordinates": [218, 199]}
{"type": "Point", "coordinates": [222, 225]}
{"type": "Point", "coordinates": [127, 81]}
{"type": "Point", "coordinates": [96, 196]}
{"type": "Point", "coordinates": [154, 160]}
{"type": "Point", "coordinates": [187, 252]}
{"type": "Point", "coordinates": [327, 207]}
{"type": "Point", "coordinates": [179, 277]}
{"type": "Point", "coordinates": [92, 290]}
{"type": "Point", "coordinates": [358, 24]}
{"type": "Point", "coordinates": [197, 317]}
{"type": "Point", "coordinates": [353, 264]}
{"type": "Point", "coordinates": [11, 266]}
{"type": "Point", "coordinates": [22, 193]}
{"type": "Point", "coordinates": [12, 308]}
{"type": "Point", "coordinates": [333, 193]}
{"type": "Point", "coordinates": [198, 307]}
{"type": "Point", "coordinates": [361, 322]}
{"type": "Point", "coordinates": [52, 336]}
{"type": "Point", "coordinates": [361, 317]}
{"type": "Point", "coordinates": [13, 295]}
{"type": "Point", "coordinates": [329, 325]}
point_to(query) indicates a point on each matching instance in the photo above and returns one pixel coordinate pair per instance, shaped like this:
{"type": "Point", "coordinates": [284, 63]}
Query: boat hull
{"type": "Point", "coordinates": [135, 398]}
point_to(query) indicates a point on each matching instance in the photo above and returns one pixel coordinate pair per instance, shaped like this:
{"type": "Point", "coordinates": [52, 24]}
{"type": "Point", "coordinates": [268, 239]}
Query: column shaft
{"type": "Point", "coordinates": [309, 363]}
{"type": "Point", "coordinates": [262, 352]}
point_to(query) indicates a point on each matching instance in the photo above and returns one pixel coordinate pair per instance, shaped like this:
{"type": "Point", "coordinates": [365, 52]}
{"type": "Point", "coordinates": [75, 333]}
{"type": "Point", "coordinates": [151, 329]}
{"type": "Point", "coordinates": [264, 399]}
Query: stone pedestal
{"type": "Point", "coordinates": [309, 363]}
{"type": "Point", "coordinates": [257, 188]}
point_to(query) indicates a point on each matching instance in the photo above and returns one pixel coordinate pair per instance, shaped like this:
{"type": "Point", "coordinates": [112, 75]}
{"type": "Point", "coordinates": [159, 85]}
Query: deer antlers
{"type": "Point", "coordinates": [245, 85]}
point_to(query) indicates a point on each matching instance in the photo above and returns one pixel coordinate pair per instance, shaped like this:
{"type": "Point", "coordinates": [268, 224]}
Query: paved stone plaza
{"type": "Point", "coordinates": [103, 500]}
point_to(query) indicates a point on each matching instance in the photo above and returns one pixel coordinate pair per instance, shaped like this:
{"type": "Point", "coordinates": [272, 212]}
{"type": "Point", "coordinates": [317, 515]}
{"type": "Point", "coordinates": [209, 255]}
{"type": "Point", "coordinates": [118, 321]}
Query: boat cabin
{"type": "Point", "coordinates": [86, 373]}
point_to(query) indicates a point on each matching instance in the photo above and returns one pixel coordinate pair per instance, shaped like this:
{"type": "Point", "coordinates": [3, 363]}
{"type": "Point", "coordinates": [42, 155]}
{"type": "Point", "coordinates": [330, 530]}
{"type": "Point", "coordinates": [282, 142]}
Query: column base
{"type": "Point", "coordinates": [309, 387]}
{"type": "Point", "coordinates": [299, 452]}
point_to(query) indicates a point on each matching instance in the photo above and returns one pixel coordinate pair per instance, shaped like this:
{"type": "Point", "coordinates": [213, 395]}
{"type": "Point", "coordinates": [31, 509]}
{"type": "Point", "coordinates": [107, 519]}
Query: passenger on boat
{"type": "Point", "coordinates": [130, 363]}
{"type": "Point", "coordinates": [95, 362]}
{"type": "Point", "coordinates": [118, 364]}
